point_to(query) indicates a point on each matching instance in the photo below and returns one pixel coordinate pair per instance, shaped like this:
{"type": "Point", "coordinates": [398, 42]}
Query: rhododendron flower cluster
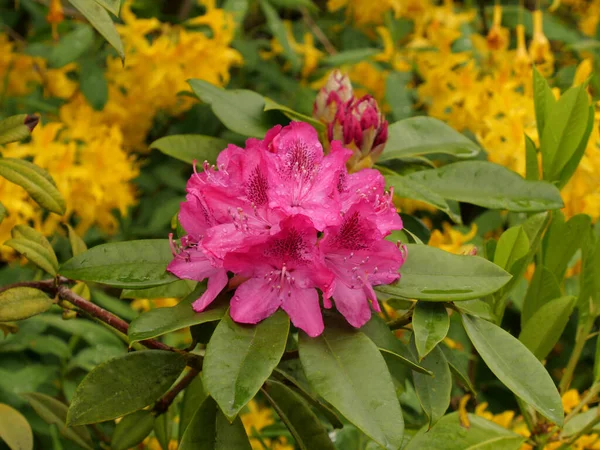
{"type": "Point", "coordinates": [287, 221]}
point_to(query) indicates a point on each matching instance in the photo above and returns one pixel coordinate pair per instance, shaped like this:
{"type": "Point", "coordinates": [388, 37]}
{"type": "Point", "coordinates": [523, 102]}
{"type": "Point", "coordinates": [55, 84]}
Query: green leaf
{"type": "Point", "coordinates": [16, 128]}
{"type": "Point", "coordinates": [209, 429]}
{"type": "Point", "coordinates": [564, 129]}
{"type": "Point", "coordinates": [159, 321]}
{"type": "Point", "coordinates": [516, 367]}
{"type": "Point", "coordinates": [93, 83]}
{"type": "Point", "coordinates": [15, 431]}
{"type": "Point", "coordinates": [295, 413]}
{"type": "Point", "coordinates": [450, 434]}
{"type": "Point", "coordinates": [194, 395]}
{"type": "Point", "coordinates": [23, 302]}
{"type": "Point", "coordinates": [430, 326]}
{"type": "Point", "coordinates": [111, 5]}
{"type": "Point", "coordinates": [457, 367]}
{"type": "Point", "coordinates": [35, 247]}
{"type": "Point", "coordinates": [71, 46]}
{"type": "Point", "coordinates": [101, 21]}
{"type": "Point", "coordinates": [296, 4]}
{"type": "Point", "coordinates": [176, 289]}
{"type": "Point", "coordinates": [434, 392]}
{"type": "Point", "coordinates": [54, 412]}
{"type": "Point", "coordinates": [131, 264]}
{"type": "Point", "coordinates": [434, 275]}
{"type": "Point", "coordinates": [567, 172]}
{"type": "Point", "coordinates": [124, 385]}
{"type": "Point", "coordinates": [425, 135]}
{"type": "Point", "coordinates": [78, 246]}
{"type": "Point", "coordinates": [532, 168]}
{"type": "Point", "coordinates": [240, 110]}
{"type": "Point", "coordinates": [407, 188]}
{"type": "Point", "coordinates": [349, 56]}
{"type": "Point", "coordinates": [191, 147]}
{"type": "Point", "coordinates": [512, 246]}
{"type": "Point", "coordinates": [580, 421]}
{"type": "Point", "coordinates": [90, 357]}
{"type": "Point", "coordinates": [398, 95]}
{"type": "Point", "coordinates": [477, 308]}
{"type": "Point", "coordinates": [339, 365]}
{"type": "Point", "coordinates": [234, 373]}
{"type": "Point", "coordinates": [163, 428]}
{"type": "Point", "coordinates": [489, 185]}
{"type": "Point", "coordinates": [271, 105]}
{"type": "Point", "coordinates": [36, 181]}
{"type": "Point", "coordinates": [393, 351]}
{"type": "Point", "coordinates": [597, 361]}
{"type": "Point", "coordinates": [132, 429]}
{"type": "Point", "coordinates": [279, 32]}
{"type": "Point", "coordinates": [547, 324]}
{"type": "Point", "coordinates": [543, 100]}
{"type": "Point", "coordinates": [90, 332]}
{"type": "Point", "coordinates": [562, 241]}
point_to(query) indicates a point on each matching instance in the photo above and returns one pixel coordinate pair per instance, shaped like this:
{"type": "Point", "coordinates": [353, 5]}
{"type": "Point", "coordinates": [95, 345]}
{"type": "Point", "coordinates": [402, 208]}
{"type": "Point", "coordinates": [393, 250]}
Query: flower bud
{"type": "Point", "coordinates": [361, 127]}
{"type": "Point", "coordinates": [336, 92]}
{"type": "Point", "coordinates": [539, 47]}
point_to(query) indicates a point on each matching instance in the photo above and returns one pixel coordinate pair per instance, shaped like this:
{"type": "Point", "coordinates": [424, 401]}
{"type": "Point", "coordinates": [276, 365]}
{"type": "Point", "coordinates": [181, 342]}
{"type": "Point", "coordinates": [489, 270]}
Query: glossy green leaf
{"type": "Point", "coordinates": [209, 429]}
{"type": "Point", "coordinates": [430, 326]}
{"type": "Point", "coordinates": [23, 302]}
{"type": "Point", "coordinates": [580, 421]}
{"type": "Point", "coordinates": [532, 168]}
{"type": "Point", "coordinates": [543, 100]}
{"type": "Point", "coordinates": [434, 392]}
{"type": "Point", "coordinates": [406, 188]}
{"type": "Point", "coordinates": [132, 429]}
{"type": "Point", "coordinates": [159, 321]}
{"type": "Point", "coordinates": [78, 246]}
{"type": "Point", "coordinates": [35, 247]}
{"type": "Point", "coordinates": [450, 434]}
{"type": "Point", "coordinates": [516, 367]}
{"type": "Point", "coordinates": [111, 5]}
{"type": "Point", "coordinates": [90, 357]}
{"type": "Point", "coordinates": [563, 131]}
{"type": "Point", "coordinates": [91, 332]}
{"type": "Point", "coordinates": [54, 412]}
{"type": "Point", "coordinates": [546, 325]}
{"type": "Point", "coordinates": [398, 95]}
{"type": "Point", "coordinates": [16, 128]}
{"type": "Point", "coordinates": [194, 395]}
{"type": "Point", "coordinates": [239, 358]}
{"type": "Point", "coordinates": [240, 110]}
{"type": "Point", "coordinates": [394, 352]}
{"type": "Point", "coordinates": [571, 166]}
{"type": "Point", "coordinates": [191, 147]}
{"type": "Point", "coordinates": [278, 30]}
{"type": "Point", "coordinates": [512, 246]}
{"type": "Point", "coordinates": [124, 385]}
{"type": "Point", "coordinates": [562, 241]}
{"type": "Point", "coordinates": [271, 105]}
{"type": "Point", "coordinates": [425, 135]}
{"type": "Point", "coordinates": [101, 21]}
{"type": "Point", "coordinates": [36, 181]}
{"type": "Point", "coordinates": [339, 365]}
{"type": "Point", "coordinates": [176, 289]}
{"type": "Point", "coordinates": [477, 308]}
{"type": "Point", "coordinates": [457, 367]}
{"type": "Point", "coordinates": [71, 46]}
{"type": "Point", "coordinates": [295, 413]}
{"type": "Point", "coordinates": [15, 431]}
{"type": "Point", "coordinates": [131, 264]}
{"type": "Point", "coordinates": [489, 185]}
{"type": "Point", "coordinates": [435, 275]}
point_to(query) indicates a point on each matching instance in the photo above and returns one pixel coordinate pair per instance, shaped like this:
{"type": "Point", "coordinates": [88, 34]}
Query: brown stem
{"type": "Point", "coordinates": [323, 39]}
{"type": "Point", "coordinates": [401, 321]}
{"type": "Point", "coordinates": [43, 285]}
{"type": "Point", "coordinates": [105, 316]}
{"type": "Point", "coordinates": [162, 405]}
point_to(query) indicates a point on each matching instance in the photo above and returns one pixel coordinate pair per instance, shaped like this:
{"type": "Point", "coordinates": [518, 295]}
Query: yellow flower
{"type": "Point", "coordinates": [255, 420]}
{"type": "Point", "coordinates": [570, 400]}
{"type": "Point", "coordinates": [452, 240]}
{"type": "Point", "coordinates": [539, 47]}
{"type": "Point", "coordinates": [55, 16]}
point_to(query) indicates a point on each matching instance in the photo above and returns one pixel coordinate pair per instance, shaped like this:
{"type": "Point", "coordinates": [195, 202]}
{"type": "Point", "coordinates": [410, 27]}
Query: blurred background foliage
{"type": "Point", "coordinates": [467, 63]}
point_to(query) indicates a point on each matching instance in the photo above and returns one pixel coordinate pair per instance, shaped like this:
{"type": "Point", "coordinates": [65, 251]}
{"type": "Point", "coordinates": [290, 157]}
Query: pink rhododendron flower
{"type": "Point", "coordinates": [288, 221]}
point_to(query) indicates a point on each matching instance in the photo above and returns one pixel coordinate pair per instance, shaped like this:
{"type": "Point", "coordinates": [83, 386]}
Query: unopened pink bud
{"type": "Point", "coordinates": [336, 92]}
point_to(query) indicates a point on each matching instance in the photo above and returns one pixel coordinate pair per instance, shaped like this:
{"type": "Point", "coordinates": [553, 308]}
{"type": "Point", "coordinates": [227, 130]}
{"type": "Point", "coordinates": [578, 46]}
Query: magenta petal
{"type": "Point", "coordinates": [303, 308]}
{"type": "Point", "coordinates": [353, 304]}
{"type": "Point", "coordinates": [254, 300]}
{"type": "Point", "coordinates": [216, 283]}
{"type": "Point", "coordinates": [195, 267]}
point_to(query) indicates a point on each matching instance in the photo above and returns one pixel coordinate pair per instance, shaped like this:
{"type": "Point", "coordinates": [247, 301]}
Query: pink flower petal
{"type": "Point", "coordinates": [216, 283]}
{"type": "Point", "coordinates": [254, 300]}
{"type": "Point", "coordinates": [352, 303]}
{"type": "Point", "coordinates": [302, 305]}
